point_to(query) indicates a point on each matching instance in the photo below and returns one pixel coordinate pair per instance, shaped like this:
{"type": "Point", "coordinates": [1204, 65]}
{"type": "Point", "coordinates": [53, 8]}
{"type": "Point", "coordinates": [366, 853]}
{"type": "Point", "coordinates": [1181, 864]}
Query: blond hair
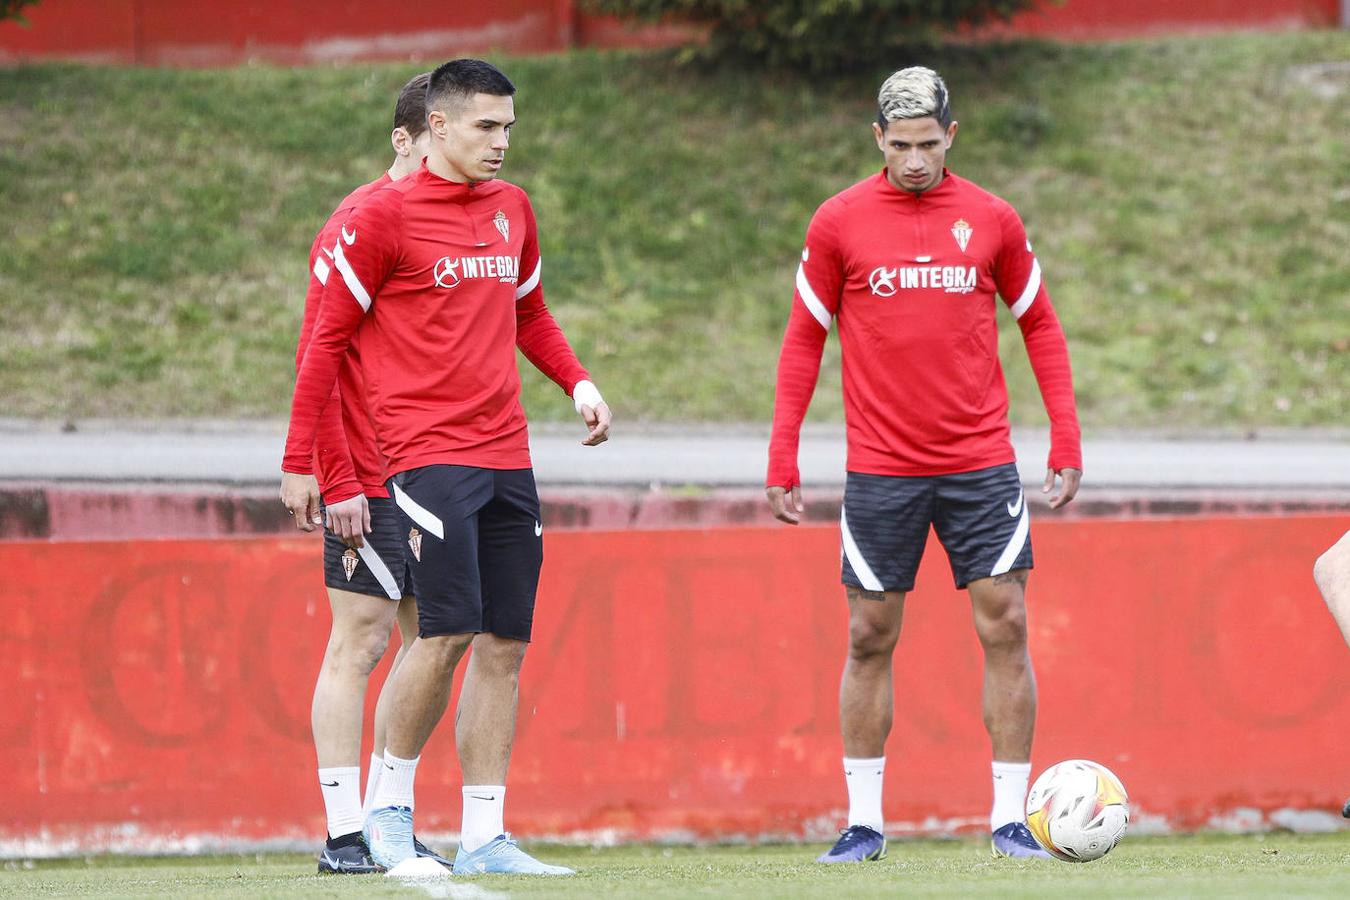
{"type": "Point", "coordinates": [913, 93]}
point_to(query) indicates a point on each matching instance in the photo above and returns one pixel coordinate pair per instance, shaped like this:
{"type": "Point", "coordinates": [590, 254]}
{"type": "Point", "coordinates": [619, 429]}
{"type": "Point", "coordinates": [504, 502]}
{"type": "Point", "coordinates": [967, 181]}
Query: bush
{"type": "Point", "coordinates": [12, 9]}
{"type": "Point", "coordinates": [817, 35]}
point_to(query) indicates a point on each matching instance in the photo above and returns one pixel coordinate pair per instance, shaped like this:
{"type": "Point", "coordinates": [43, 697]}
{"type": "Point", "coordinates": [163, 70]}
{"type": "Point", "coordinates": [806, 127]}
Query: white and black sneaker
{"type": "Point", "coordinates": [347, 855]}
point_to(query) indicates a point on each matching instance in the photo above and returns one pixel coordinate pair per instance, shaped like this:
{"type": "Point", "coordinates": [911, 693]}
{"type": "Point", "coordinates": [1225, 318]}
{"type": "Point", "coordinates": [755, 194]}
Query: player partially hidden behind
{"type": "Point", "coordinates": [443, 269]}
{"type": "Point", "coordinates": [908, 261]}
{"type": "Point", "coordinates": [1332, 574]}
{"type": "Point", "coordinates": [368, 581]}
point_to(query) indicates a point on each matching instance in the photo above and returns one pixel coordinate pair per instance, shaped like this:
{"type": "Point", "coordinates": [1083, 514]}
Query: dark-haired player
{"type": "Point", "coordinates": [909, 262]}
{"type": "Point", "coordinates": [367, 579]}
{"type": "Point", "coordinates": [441, 273]}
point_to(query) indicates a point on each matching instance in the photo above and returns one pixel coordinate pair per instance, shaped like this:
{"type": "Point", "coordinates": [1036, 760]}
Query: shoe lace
{"type": "Point", "coordinates": [506, 844]}
{"type": "Point", "coordinates": [853, 836]}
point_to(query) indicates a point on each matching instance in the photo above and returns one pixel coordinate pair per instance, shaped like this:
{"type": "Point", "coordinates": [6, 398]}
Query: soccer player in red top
{"type": "Point", "coordinates": [908, 262]}
{"type": "Point", "coordinates": [364, 575]}
{"type": "Point", "coordinates": [440, 273]}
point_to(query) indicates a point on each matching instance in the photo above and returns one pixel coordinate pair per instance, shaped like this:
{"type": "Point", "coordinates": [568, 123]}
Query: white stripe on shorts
{"type": "Point", "coordinates": [419, 513]}
{"type": "Point", "coordinates": [855, 558]}
{"type": "Point", "coordinates": [379, 570]}
{"type": "Point", "coordinates": [1019, 540]}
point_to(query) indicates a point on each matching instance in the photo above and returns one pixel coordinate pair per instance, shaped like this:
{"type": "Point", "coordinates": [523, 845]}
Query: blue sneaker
{"type": "Point", "coordinates": [389, 835]}
{"type": "Point", "coordinates": [1015, 841]}
{"type": "Point", "coordinates": [857, 843]}
{"type": "Point", "coordinates": [501, 856]}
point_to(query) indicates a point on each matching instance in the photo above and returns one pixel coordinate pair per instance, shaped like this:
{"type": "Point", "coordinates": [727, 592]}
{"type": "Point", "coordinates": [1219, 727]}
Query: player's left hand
{"type": "Point", "coordinates": [300, 496]}
{"type": "Point", "coordinates": [1068, 488]}
{"type": "Point", "coordinates": [597, 419]}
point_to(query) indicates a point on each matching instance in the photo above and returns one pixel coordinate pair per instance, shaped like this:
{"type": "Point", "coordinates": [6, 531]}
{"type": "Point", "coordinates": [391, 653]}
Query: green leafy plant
{"type": "Point", "coordinates": [817, 35]}
{"type": "Point", "coordinates": [13, 9]}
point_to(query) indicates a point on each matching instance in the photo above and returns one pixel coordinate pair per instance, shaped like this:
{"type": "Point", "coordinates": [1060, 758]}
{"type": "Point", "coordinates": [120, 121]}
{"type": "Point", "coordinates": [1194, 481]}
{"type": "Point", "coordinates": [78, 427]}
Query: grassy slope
{"type": "Point", "coordinates": [1211, 866]}
{"type": "Point", "coordinates": [1189, 201]}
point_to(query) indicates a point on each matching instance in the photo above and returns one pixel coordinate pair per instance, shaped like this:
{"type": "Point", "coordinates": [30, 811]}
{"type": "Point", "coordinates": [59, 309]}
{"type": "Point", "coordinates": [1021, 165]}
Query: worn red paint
{"type": "Point", "coordinates": [682, 682]}
{"type": "Point", "coordinates": [198, 33]}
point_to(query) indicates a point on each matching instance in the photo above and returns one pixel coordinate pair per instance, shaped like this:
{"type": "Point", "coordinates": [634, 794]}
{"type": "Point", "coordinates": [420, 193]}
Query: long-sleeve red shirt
{"type": "Point", "coordinates": [911, 279]}
{"type": "Point", "coordinates": [447, 276]}
{"type": "Point", "coordinates": [347, 458]}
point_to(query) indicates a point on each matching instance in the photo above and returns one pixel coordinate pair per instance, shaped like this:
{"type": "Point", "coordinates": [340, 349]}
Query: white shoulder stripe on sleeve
{"type": "Point", "coordinates": [1030, 291]}
{"type": "Point", "coordinates": [813, 304]}
{"type": "Point", "coordinates": [349, 277]}
{"type": "Point", "coordinates": [532, 282]}
{"type": "Point", "coordinates": [321, 269]}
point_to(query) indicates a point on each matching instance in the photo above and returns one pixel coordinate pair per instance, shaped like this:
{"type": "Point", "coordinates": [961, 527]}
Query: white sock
{"type": "Point", "coordinates": [372, 780]}
{"type": "Point", "coordinates": [342, 799]}
{"type": "Point", "coordinates": [1010, 793]}
{"type": "Point", "coordinates": [864, 791]}
{"type": "Point", "coordinates": [482, 815]}
{"type": "Point", "coordinates": [395, 785]}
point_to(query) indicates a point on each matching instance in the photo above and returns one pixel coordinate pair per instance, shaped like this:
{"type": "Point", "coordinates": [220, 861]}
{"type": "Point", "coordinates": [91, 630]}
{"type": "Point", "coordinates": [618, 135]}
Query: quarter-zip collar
{"type": "Point", "coordinates": [944, 188]}
{"type": "Point", "coordinates": [463, 192]}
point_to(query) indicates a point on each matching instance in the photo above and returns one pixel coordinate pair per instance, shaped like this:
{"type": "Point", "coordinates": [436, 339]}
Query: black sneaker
{"type": "Point", "coordinates": [348, 855]}
{"type": "Point", "coordinates": [1345, 810]}
{"type": "Point", "coordinates": [425, 851]}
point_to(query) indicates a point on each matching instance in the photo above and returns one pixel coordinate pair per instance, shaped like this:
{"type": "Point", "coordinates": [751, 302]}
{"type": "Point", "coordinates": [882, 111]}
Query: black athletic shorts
{"type": "Point", "coordinates": [379, 568]}
{"type": "Point", "coordinates": [474, 539]}
{"type": "Point", "coordinates": [981, 518]}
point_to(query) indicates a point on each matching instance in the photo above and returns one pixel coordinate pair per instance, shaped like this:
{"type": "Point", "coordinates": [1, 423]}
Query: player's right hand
{"type": "Point", "coordinates": [350, 519]}
{"type": "Point", "coordinates": [300, 496]}
{"type": "Point", "coordinates": [786, 505]}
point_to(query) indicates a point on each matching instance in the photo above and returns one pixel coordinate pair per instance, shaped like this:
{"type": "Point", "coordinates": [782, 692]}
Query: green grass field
{"type": "Point", "coordinates": [1227, 866]}
{"type": "Point", "coordinates": [1189, 200]}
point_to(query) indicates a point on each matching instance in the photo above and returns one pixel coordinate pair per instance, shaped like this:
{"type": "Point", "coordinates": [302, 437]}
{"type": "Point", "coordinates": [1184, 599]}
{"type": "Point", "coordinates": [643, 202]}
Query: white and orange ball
{"type": "Point", "coordinates": [1078, 810]}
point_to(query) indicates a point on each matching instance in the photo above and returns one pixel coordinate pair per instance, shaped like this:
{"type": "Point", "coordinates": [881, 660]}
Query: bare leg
{"type": "Point", "coordinates": [866, 701]}
{"type": "Point", "coordinates": [999, 606]}
{"type": "Point", "coordinates": [485, 723]}
{"type": "Point", "coordinates": [407, 627]}
{"type": "Point", "coordinates": [357, 642]}
{"type": "Point", "coordinates": [421, 691]}
{"type": "Point", "coordinates": [1332, 574]}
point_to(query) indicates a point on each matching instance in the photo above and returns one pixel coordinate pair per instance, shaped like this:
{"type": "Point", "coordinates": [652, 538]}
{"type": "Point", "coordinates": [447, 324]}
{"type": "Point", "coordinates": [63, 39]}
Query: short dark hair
{"type": "Point", "coordinates": [410, 112]}
{"type": "Point", "coordinates": [460, 79]}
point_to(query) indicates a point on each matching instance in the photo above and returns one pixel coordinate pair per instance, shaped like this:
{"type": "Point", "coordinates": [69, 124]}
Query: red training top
{"type": "Point", "coordinates": [911, 279]}
{"type": "Point", "coordinates": [449, 274]}
{"type": "Point", "coordinates": [347, 459]}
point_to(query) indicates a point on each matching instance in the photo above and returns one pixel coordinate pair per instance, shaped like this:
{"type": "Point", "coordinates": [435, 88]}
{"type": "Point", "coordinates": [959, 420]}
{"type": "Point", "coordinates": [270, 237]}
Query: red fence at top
{"type": "Point", "coordinates": [682, 684]}
{"type": "Point", "coordinates": [215, 32]}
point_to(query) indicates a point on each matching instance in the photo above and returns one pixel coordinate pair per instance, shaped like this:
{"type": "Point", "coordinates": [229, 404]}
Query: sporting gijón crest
{"type": "Point", "coordinates": [962, 231]}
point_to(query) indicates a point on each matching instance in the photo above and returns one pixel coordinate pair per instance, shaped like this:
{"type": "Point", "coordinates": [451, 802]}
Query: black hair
{"type": "Point", "coordinates": [460, 79]}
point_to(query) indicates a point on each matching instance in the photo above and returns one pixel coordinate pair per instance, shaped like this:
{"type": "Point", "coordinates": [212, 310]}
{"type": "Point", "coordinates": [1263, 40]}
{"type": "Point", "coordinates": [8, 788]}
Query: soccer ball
{"type": "Point", "coordinates": [1078, 810]}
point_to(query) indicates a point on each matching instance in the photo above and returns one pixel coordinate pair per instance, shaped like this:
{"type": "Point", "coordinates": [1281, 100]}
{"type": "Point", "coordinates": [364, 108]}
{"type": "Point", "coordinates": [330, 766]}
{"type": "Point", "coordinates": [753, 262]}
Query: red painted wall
{"type": "Point", "coordinates": [1107, 19]}
{"type": "Point", "coordinates": [214, 32]}
{"type": "Point", "coordinates": [682, 683]}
